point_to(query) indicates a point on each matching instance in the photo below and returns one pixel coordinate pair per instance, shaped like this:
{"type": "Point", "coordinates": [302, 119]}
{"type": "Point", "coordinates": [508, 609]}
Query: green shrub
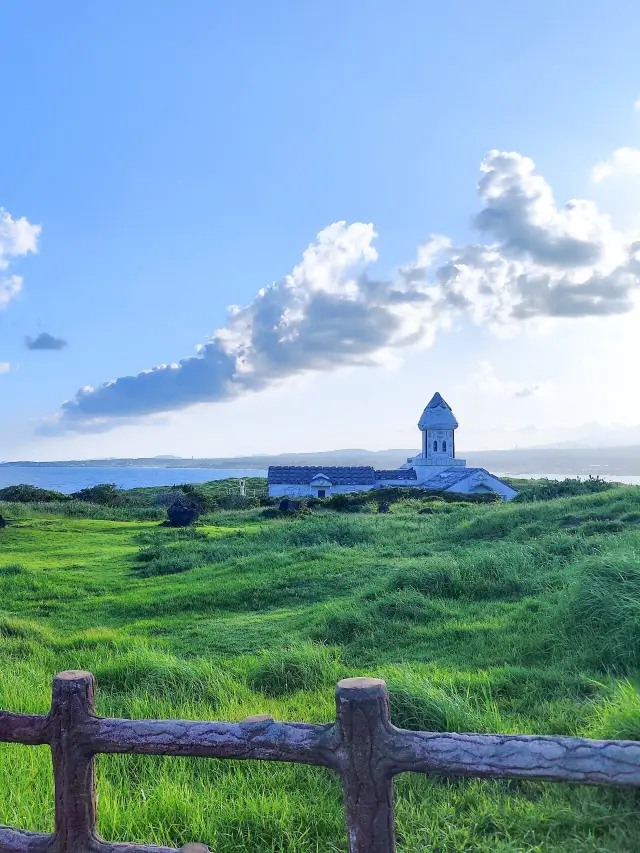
{"type": "Point", "coordinates": [24, 493]}
{"type": "Point", "coordinates": [618, 717]}
{"type": "Point", "coordinates": [13, 569]}
{"type": "Point", "coordinates": [104, 494]}
{"type": "Point", "coordinates": [546, 490]}
{"type": "Point", "coordinates": [305, 667]}
{"type": "Point", "coordinates": [603, 610]}
{"type": "Point", "coordinates": [406, 605]}
{"type": "Point", "coordinates": [342, 626]}
{"type": "Point", "coordinates": [169, 561]}
{"type": "Point", "coordinates": [434, 583]}
{"type": "Point", "coordinates": [417, 704]}
{"type": "Point", "coordinates": [595, 528]}
{"type": "Point", "coordinates": [149, 672]}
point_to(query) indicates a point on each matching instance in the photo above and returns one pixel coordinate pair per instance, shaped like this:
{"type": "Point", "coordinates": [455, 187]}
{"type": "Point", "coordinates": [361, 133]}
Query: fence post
{"type": "Point", "coordinates": [363, 718]}
{"type": "Point", "coordinates": [72, 706]}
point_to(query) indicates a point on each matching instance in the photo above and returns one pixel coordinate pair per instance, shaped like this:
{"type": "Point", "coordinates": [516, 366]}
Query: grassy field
{"type": "Point", "coordinates": [507, 618]}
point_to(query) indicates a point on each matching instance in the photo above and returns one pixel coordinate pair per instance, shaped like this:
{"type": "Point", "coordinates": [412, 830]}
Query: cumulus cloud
{"type": "Point", "coordinates": [327, 313]}
{"type": "Point", "coordinates": [623, 162]}
{"type": "Point", "coordinates": [538, 260]}
{"type": "Point", "coordinates": [45, 341]}
{"type": "Point", "coordinates": [17, 237]}
{"type": "Point", "coordinates": [521, 214]}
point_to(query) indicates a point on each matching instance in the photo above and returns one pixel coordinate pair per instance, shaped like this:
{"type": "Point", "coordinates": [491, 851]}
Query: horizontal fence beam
{"type": "Point", "coordinates": [19, 841]}
{"type": "Point", "coordinates": [30, 729]}
{"type": "Point", "coordinates": [362, 746]}
{"type": "Point", "coordinates": [536, 757]}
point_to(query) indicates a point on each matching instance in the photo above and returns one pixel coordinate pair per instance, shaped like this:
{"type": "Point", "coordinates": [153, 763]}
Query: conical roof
{"type": "Point", "coordinates": [437, 415]}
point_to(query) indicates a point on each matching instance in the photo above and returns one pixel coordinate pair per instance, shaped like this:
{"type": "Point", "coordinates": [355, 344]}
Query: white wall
{"type": "Point", "coordinates": [305, 490]}
{"type": "Point", "coordinates": [465, 487]}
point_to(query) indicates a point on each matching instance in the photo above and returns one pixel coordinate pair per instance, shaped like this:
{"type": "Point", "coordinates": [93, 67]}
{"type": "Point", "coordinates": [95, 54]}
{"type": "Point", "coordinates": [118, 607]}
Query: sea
{"type": "Point", "coordinates": [73, 478]}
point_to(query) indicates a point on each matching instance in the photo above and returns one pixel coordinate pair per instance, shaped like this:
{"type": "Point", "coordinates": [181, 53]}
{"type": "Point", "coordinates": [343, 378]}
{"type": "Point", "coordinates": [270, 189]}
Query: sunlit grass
{"type": "Point", "coordinates": [521, 618]}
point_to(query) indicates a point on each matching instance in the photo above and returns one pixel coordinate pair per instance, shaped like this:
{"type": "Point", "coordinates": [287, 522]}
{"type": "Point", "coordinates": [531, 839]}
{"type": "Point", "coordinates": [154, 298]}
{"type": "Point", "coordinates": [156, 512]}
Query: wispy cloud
{"type": "Point", "coordinates": [538, 260]}
{"type": "Point", "coordinates": [486, 380]}
{"type": "Point", "coordinates": [5, 367]}
{"type": "Point", "coordinates": [45, 341]}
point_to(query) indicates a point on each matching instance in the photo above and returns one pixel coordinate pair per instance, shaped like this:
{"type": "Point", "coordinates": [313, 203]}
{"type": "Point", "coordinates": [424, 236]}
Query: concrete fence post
{"type": "Point", "coordinates": [363, 718]}
{"type": "Point", "coordinates": [72, 708]}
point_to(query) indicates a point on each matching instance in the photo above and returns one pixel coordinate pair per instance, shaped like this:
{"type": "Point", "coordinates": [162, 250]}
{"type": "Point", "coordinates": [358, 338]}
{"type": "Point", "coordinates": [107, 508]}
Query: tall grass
{"type": "Point", "coordinates": [520, 618]}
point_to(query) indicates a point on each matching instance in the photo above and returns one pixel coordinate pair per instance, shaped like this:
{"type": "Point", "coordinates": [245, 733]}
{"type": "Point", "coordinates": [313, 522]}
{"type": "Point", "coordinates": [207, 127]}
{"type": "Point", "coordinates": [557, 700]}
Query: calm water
{"type": "Point", "coordinates": [73, 479]}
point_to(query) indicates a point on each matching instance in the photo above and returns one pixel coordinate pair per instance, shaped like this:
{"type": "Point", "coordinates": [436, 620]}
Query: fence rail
{"type": "Point", "coordinates": [362, 746]}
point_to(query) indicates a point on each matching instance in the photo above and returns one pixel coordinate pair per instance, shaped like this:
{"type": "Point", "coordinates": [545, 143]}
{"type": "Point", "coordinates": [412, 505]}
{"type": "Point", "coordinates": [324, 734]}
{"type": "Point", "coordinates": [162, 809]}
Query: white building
{"type": "Point", "coordinates": [435, 467]}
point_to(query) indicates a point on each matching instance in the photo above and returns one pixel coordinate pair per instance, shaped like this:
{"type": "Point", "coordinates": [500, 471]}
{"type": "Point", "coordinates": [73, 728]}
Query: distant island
{"type": "Point", "coordinates": [603, 461]}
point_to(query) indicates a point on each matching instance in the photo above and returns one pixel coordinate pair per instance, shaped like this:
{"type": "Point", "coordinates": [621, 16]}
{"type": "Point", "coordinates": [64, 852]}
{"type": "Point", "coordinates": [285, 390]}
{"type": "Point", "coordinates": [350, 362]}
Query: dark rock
{"type": "Point", "coordinates": [288, 505]}
{"type": "Point", "coordinates": [3, 523]}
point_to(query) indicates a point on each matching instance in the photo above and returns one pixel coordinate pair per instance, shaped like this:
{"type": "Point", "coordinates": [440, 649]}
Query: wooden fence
{"type": "Point", "coordinates": [362, 746]}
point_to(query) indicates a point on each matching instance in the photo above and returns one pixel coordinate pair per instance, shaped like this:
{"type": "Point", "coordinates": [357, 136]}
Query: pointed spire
{"type": "Point", "coordinates": [438, 400]}
{"type": "Point", "coordinates": [437, 415]}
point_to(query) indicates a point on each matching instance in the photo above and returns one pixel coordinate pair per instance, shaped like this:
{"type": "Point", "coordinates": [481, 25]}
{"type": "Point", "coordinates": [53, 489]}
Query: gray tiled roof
{"type": "Point", "coordinates": [397, 474]}
{"type": "Point", "coordinates": [451, 476]}
{"type": "Point", "coordinates": [339, 476]}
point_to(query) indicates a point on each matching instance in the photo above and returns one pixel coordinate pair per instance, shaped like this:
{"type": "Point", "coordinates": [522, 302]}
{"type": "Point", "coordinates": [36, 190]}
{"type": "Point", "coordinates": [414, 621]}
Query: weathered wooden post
{"type": "Point", "coordinates": [363, 718]}
{"type": "Point", "coordinates": [72, 708]}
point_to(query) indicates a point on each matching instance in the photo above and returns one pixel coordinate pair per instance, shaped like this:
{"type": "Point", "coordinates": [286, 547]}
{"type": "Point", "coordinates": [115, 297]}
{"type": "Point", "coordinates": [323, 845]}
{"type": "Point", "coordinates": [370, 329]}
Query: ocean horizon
{"type": "Point", "coordinates": [73, 478]}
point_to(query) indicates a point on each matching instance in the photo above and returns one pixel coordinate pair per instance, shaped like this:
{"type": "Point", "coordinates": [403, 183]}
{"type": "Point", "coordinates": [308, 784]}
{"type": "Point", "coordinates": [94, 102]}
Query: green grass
{"type": "Point", "coordinates": [489, 618]}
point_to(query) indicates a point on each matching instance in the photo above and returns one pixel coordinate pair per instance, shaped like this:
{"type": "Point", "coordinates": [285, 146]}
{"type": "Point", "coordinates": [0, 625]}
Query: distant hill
{"type": "Point", "coordinates": [615, 461]}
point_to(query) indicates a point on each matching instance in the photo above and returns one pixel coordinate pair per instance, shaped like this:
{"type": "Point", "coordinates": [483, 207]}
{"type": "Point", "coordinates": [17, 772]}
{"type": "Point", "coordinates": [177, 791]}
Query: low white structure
{"type": "Point", "coordinates": [435, 467]}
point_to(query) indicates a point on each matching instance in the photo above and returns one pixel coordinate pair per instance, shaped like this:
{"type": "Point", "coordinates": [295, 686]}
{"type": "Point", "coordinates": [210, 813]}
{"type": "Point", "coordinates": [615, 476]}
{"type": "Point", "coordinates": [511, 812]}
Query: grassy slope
{"type": "Point", "coordinates": [521, 618]}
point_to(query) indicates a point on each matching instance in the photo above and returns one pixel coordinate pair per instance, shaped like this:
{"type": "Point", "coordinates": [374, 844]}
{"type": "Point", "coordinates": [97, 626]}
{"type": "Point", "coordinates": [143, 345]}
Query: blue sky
{"type": "Point", "coordinates": [180, 157]}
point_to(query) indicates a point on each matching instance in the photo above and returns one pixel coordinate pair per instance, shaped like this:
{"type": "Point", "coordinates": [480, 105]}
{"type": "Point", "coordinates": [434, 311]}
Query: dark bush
{"type": "Point", "coordinates": [24, 493]}
{"type": "Point", "coordinates": [182, 513]}
{"type": "Point", "coordinates": [199, 497]}
{"type": "Point", "coordinates": [595, 528]}
{"type": "Point", "coordinates": [104, 494]}
{"type": "Point", "coordinates": [357, 501]}
{"type": "Point", "coordinates": [237, 502]}
{"type": "Point", "coordinates": [546, 490]}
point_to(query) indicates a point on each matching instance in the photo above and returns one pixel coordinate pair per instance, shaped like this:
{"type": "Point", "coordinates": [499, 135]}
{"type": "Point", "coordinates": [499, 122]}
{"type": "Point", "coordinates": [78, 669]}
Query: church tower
{"type": "Point", "coordinates": [437, 425]}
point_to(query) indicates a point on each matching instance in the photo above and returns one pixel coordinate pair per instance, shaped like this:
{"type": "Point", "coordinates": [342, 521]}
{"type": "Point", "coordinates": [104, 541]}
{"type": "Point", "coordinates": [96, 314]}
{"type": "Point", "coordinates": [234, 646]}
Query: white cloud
{"type": "Point", "coordinates": [636, 106]}
{"type": "Point", "coordinates": [9, 287]}
{"type": "Point", "coordinates": [540, 261]}
{"type": "Point", "coordinates": [5, 367]}
{"type": "Point", "coordinates": [623, 161]}
{"type": "Point", "coordinates": [17, 237]}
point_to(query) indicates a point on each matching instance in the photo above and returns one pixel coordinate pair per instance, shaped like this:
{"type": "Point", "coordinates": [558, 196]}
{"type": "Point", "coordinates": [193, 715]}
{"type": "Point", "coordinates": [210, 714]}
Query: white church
{"type": "Point", "coordinates": [436, 467]}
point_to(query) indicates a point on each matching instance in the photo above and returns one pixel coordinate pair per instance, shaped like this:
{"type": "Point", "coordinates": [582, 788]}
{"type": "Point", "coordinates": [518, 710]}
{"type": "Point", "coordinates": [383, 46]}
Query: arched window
{"type": "Point", "coordinates": [435, 446]}
{"type": "Point", "coordinates": [444, 446]}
